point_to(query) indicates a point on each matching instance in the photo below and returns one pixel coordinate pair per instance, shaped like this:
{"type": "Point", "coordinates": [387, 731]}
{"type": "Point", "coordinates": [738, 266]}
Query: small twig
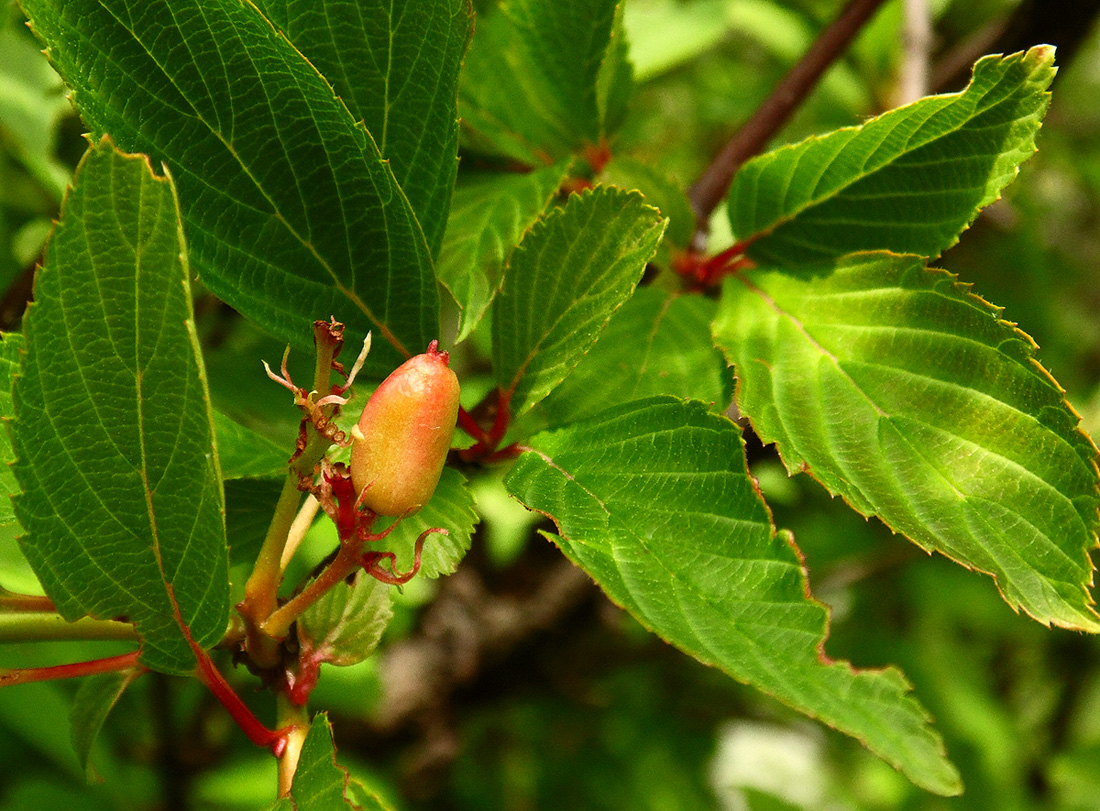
{"type": "Point", "coordinates": [712, 186]}
{"type": "Point", "coordinates": [298, 529]}
{"type": "Point", "coordinates": [110, 664]}
{"type": "Point", "coordinates": [31, 603]}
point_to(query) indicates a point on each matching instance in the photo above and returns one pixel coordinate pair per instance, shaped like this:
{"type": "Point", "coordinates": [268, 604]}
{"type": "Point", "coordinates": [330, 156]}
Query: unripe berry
{"type": "Point", "coordinates": [403, 436]}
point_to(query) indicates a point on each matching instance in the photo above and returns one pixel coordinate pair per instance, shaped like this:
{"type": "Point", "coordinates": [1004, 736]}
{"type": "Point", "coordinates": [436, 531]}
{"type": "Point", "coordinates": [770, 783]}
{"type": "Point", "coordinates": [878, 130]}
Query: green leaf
{"type": "Point", "coordinates": [92, 704]}
{"type": "Point", "coordinates": [661, 192]}
{"type": "Point", "coordinates": [122, 499]}
{"type": "Point", "coordinates": [572, 270]}
{"type": "Point", "coordinates": [291, 213]}
{"type": "Point", "coordinates": [655, 344]}
{"type": "Point", "coordinates": [909, 181]}
{"type": "Point", "coordinates": [244, 454]}
{"type": "Point", "coordinates": [319, 783]}
{"type": "Point", "coordinates": [653, 500]}
{"type": "Point", "coordinates": [11, 347]}
{"type": "Point", "coordinates": [396, 68]}
{"type": "Point", "coordinates": [489, 213]}
{"type": "Point", "coordinates": [249, 505]}
{"type": "Point", "coordinates": [452, 508]}
{"type": "Point", "coordinates": [345, 626]}
{"type": "Point", "coordinates": [530, 85]}
{"type": "Point", "coordinates": [910, 397]}
{"type": "Point", "coordinates": [615, 81]}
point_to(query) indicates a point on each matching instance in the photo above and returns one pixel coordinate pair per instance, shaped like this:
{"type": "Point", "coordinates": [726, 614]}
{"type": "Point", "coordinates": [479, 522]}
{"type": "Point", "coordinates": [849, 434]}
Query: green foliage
{"type": "Point", "coordinates": [321, 785]}
{"type": "Point", "coordinates": [909, 396]}
{"type": "Point", "coordinates": [291, 212]}
{"type": "Point", "coordinates": [565, 278]}
{"type": "Point", "coordinates": [540, 79]}
{"type": "Point", "coordinates": [113, 434]}
{"type": "Point", "coordinates": [298, 162]}
{"type": "Point", "coordinates": [654, 501]}
{"type": "Point", "coordinates": [488, 216]}
{"type": "Point", "coordinates": [908, 181]}
{"type": "Point", "coordinates": [397, 72]}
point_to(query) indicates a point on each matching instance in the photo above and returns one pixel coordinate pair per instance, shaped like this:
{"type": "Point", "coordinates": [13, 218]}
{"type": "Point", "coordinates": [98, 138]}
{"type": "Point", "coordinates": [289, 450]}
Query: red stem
{"type": "Point", "coordinates": [275, 740]}
{"type": "Point", "coordinates": [487, 441]}
{"type": "Point", "coordinates": [109, 664]}
{"type": "Point", "coordinates": [468, 424]}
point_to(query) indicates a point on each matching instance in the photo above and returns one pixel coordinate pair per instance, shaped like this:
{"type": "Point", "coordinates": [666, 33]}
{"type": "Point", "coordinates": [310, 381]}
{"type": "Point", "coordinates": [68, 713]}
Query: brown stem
{"type": "Point", "coordinates": [712, 186]}
{"type": "Point", "coordinates": [31, 603]}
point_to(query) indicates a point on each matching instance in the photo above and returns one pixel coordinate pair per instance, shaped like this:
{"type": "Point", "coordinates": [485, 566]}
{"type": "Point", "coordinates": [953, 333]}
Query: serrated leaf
{"type": "Point", "coordinates": [656, 343]}
{"type": "Point", "coordinates": [244, 454]}
{"type": "Point", "coordinates": [122, 499]}
{"type": "Point", "coordinates": [345, 626]}
{"type": "Point", "coordinates": [92, 704]}
{"type": "Point", "coordinates": [452, 508]}
{"type": "Point", "coordinates": [654, 501]}
{"type": "Point", "coordinates": [11, 346]}
{"type": "Point", "coordinates": [910, 397]}
{"type": "Point", "coordinates": [396, 68]}
{"type": "Point", "coordinates": [291, 213]}
{"type": "Point", "coordinates": [489, 213]}
{"type": "Point", "coordinates": [908, 181]}
{"type": "Point", "coordinates": [572, 270]}
{"type": "Point", "coordinates": [529, 88]}
{"type": "Point", "coordinates": [319, 783]}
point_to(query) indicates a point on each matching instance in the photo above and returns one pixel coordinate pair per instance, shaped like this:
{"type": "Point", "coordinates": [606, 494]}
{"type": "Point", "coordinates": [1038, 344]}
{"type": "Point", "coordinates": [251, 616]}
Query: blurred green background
{"type": "Point", "coordinates": [568, 703]}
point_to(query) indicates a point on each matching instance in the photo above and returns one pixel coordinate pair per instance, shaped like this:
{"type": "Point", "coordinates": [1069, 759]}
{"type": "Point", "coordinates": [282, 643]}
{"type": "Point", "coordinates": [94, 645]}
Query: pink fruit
{"type": "Point", "coordinates": [403, 436]}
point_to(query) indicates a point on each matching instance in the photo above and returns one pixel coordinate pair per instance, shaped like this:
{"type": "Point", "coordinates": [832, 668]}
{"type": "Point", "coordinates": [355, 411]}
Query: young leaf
{"type": "Point", "coordinates": [530, 87]}
{"type": "Point", "coordinates": [11, 346]}
{"type": "Point", "coordinates": [902, 392]}
{"type": "Point", "coordinates": [92, 704]}
{"type": "Point", "coordinates": [319, 783]}
{"type": "Point", "coordinates": [572, 270]}
{"type": "Point", "coordinates": [291, 213]}
{"type": "Point", "coordinates": [488, 216]}
{"type": "Point", "coordinates": [654, 501]}
{"type": "Point", "coordinates": [909, 181]}
{"type": "Point", "coordinates": [654, 344]}
{"type": "Point", "coordinates": [344, 627]}
{"type": "Point", "coordinates": [452, 508]}
{"type": "Point", "coordinates": [396, 68]}
{"type": "Point", "coordinates": [113, 435]}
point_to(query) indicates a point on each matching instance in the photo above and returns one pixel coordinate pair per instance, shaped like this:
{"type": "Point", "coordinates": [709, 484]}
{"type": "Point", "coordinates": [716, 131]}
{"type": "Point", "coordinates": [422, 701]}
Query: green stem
{"type": "Point", "coordinates": [41, 627]}
{"type": "Point", "coordinates": [346, 561]}
{"type": "Point", "coordinates": [261, 590]}
{"type": "Point", "coordinates": [295, 720]}
{"type": "Point", "coordinates": [261, 593]}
